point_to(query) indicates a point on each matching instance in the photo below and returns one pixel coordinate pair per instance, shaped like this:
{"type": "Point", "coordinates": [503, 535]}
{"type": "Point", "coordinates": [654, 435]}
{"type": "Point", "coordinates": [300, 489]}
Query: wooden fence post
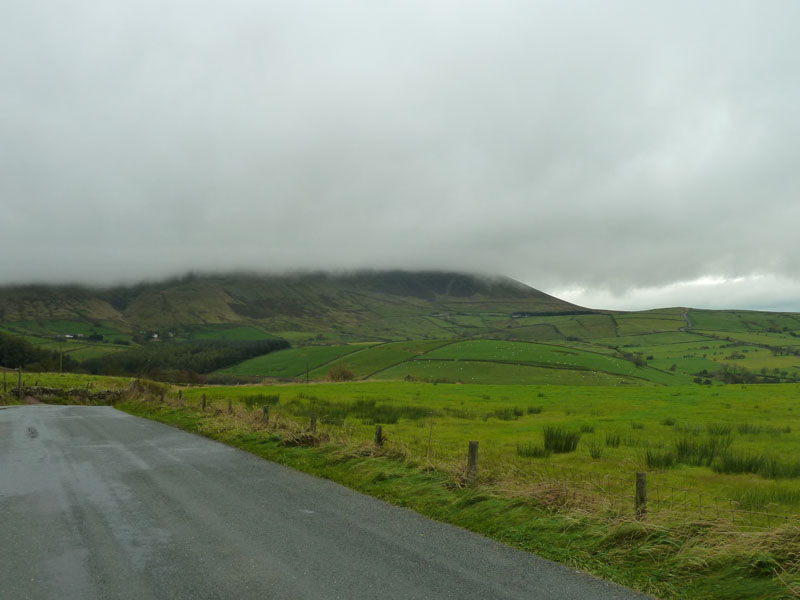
{"type": "Point", "coordinates": [266, 413]}
{"type": "Point", "coordinates": [19, 384]}
{"type": "Point", "coordinates": [313, 422]}
{"type": "Point", "coordinates": [472, 461]}
{"type": "Point", "coordinates": [378, 436]}
{"type": "Point", "coordinates": [162, 396]}
{"type": "Point", "coordinates": [204, 402]}
{"type": "Point", "coordinates": [4, 382]}
{"type": "Point", "coordinates": [230, 406]}
{"type": "Point", "coordinates": [180, 397]}
{"type": "Point", "coordinates": [641, 494]}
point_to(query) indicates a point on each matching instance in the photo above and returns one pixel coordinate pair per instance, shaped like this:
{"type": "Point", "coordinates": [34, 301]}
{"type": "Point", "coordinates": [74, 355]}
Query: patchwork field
{"type": "Point", "coordinates": [373, 360]}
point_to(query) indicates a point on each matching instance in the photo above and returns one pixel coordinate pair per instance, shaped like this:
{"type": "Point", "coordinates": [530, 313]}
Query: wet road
{"type": "Point", "coordinates": [97, 504]}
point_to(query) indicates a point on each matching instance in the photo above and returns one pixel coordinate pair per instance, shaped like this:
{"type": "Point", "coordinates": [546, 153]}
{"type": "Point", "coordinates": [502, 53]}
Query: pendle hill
{"type": "Point", "coordinates": [428, 326]}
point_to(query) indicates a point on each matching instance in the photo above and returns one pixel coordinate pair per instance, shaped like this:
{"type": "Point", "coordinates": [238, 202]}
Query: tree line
{"type": "Point", "coordinates": [176, 360]}
{"type": "Point", "coordinates": [18, 352]}
{"type": "Point", "coordinates": [184, 361]}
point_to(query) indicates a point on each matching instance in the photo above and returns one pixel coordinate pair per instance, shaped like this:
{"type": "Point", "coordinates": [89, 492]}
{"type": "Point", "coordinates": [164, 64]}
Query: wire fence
{"type": "Point", "coordinates": [558, 486]}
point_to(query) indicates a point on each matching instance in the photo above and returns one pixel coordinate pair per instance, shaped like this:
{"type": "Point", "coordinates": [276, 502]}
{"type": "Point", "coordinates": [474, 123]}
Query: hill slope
{"type": "Point", "coordinates": [363, 305]}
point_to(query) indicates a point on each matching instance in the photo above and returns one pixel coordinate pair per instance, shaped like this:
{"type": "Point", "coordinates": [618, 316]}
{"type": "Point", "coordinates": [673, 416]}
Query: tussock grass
{"type": "Point", "coordinates": [613, 440]}
{"type": "Point", "coordinates": [753, 429]}
{"type": "Point", "coordinates": [658, 459]}
{"type": "Point", "coordinates": [257, 400]}
{"type": "Point", "coordinates": [769, 467]}
{"type": "Point", "coordinates": [700, 452]}
{"type": "Point", "coordinates": [596, 449]}
{"type": "Point", "coordinates": [531, 450]}
{"type": "Point", "coordinates": [560, 441]}
{"type": "Point", "coordinates": [719, 428]}
{"type": "Point", "coordinates": [505, 413]}
{"type": "Point", "coordinates": [369, 411]}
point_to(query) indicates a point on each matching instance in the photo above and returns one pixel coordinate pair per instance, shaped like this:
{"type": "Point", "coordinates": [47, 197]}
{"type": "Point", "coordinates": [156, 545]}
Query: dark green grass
{"type": "Point", "coordinates": [226, 332]}
{"type": "Point", "coordinates": [291, 362]}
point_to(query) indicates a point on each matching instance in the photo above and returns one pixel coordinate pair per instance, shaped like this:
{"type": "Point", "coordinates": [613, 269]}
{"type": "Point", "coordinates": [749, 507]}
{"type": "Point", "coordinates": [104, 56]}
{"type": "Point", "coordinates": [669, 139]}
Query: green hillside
{"type": "Point", "coordinates": [429, 326]}
{"type": "Point", "coordinates": [305, 308]}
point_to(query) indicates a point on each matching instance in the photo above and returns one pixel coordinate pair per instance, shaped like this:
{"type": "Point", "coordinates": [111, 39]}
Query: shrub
{"type": "Point", "coordinates": [559, 440]}
{"type": "Point", "coordinates": [340, 373]}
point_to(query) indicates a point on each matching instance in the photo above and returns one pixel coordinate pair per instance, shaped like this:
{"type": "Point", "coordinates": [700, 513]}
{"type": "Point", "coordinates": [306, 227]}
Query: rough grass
{"type": "Point", "coordinates": [688, 559]}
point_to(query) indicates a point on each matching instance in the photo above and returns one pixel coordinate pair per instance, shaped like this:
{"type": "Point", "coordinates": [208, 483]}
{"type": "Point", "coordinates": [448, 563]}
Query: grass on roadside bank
{"type": "Point", "coordinates": [697, 559]}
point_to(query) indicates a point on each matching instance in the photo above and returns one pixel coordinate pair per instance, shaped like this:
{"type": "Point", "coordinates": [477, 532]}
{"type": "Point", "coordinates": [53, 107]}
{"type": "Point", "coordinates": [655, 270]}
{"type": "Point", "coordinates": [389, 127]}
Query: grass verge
{"type": "Point", "coordinates": [691, 559]}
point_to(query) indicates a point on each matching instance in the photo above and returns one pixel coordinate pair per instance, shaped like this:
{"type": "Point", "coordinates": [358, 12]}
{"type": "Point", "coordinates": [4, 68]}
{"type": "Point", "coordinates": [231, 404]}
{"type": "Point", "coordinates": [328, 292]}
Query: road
{"type": "Point", "coordinates": [98, 504]}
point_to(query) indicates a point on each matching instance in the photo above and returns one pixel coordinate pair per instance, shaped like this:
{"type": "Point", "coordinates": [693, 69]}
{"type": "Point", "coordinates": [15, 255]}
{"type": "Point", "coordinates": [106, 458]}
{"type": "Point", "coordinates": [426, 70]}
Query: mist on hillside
{"type": "Point", "coordinates": [616, 155]}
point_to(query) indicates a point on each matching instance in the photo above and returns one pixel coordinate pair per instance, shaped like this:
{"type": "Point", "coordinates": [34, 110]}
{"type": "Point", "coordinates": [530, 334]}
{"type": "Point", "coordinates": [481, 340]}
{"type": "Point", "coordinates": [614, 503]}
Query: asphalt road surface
{"type": "Point", "coordinates": [97, 504]}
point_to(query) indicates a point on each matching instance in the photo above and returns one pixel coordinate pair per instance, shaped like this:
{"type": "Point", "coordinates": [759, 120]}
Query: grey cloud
{"type": "Point", "coordinates": [607, 146]}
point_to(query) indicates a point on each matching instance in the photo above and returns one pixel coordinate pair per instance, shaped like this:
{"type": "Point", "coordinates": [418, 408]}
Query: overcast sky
{"type": "Point", "coordinates": [618, 154]}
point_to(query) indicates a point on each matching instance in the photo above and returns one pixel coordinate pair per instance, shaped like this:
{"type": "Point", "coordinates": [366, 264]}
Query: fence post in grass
{"type": "Point", "coordinates": [472, 461]}
{"type": "Point", "coordinates": [180, 397]}
{"type": "Point", "coordinates": [4, 382]}
{"type": "Point", "coordinates": [378, 436]}
{"type": "Point", "coordinates": [230, 406]}
{"type": "Point", "coordinates": [204, 402]}
{"type": "Point", "coordinates": [641, 494]}
{"type": "Point", "coordinates": [162, 396]}
{"type": "Point", "coordinates": [314, 422]}
{"type": "Point", "coordinates": [19, 384]}
{"type": "Point", "coordinates": [266, 413]}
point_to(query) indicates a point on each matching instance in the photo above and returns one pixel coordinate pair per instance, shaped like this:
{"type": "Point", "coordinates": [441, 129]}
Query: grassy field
{"type": "Point", "coordinates": [292, 362]}
{"type": "Point", "coordinates": [66, 380]}
{"type": "Point", "coordinates": [377, 358]}
{"type": "Point", "coordinates": [752, 420]}
{"type": "Point", "coordinates": [723, 480]}
{"type": "Point", "coordinates": [489, 372]}
{"type": "Point", "coordinates": [225, 332]}
{"type": "Point", "coordinates": [61, 327]}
